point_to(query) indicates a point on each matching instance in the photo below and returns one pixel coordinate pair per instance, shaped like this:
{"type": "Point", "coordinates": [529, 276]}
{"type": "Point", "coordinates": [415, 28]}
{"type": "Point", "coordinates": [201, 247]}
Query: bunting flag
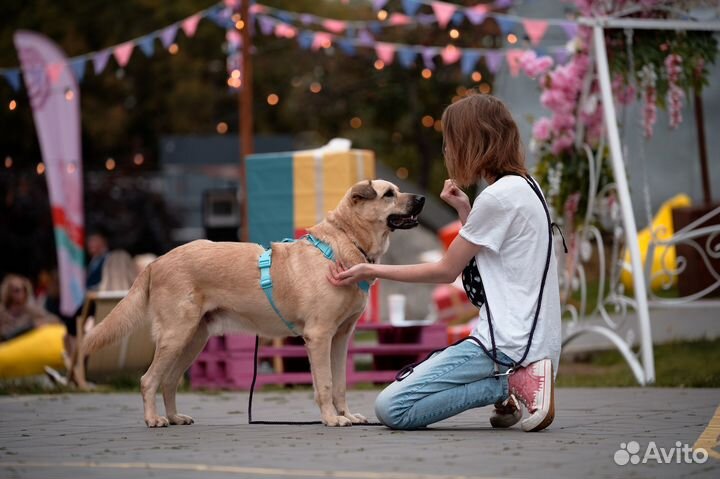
{"type": "Point", "coordinates": [123, 52]}
{"type": "Point", "coordinates": [78, 68]}
{"type": "Point", "coordinates": [443, 12]}
{"type": "Point", "coordinates": [167, 35]}
{"type": "Point", "coordinates": [535, 29]}
{"type": "Point", "coordinates": [100, 61]}
{"type": "Point", "coordinates": [450, 54]}
{"type": "Point", "coordinates": [406, 57]}
{"type": "Point", "coordinates": [513, 59]}
{"type": "Point", "coordinates": [57, 122]}
{"type": "Point", "coordinates": [411, 7]}
{"type": "Point", "coordinates": [468, 62]}
{"type": "Point", "coordinates": [570, 29]}
{"type": "Point", "coordinates": [147, 45]}
{"type": "Point", "coordinates": [385, 52]}
{"type": "Point", "coordinates": [190, 24]}
{"type": "Point", "coordinates": [334, 26]}
{"type": "Point", "coordinates": [13, 78]}
{"type": "Point", "coordinates": [428, 55]}
{"type": "Point", "coordinates": [476, 15]}
{"type": "Point", "coordinates": [493, 60]}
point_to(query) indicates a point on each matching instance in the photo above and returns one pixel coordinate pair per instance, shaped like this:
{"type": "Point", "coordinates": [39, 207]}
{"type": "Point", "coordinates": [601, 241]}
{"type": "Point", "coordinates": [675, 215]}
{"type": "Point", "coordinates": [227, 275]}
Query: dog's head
{"type": "Point", "coordinates": [381, 202]}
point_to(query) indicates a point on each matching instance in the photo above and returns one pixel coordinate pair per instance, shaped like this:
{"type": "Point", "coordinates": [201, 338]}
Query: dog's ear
{"type": "Point", "coordinates": [364, 191]}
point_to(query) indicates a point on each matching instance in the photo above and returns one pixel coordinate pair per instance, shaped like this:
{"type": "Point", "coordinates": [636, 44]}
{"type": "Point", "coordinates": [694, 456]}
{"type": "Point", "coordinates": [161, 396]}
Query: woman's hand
{"type": "Point", "coordinates": [456, 198]}
{"type": "Point", "coordinates": [341, 276]}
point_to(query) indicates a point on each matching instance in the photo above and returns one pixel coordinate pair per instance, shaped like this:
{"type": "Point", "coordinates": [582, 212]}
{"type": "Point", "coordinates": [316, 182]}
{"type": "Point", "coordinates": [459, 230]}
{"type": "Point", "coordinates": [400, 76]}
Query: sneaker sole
{"type": "Point", "coordinates": [528, 425]}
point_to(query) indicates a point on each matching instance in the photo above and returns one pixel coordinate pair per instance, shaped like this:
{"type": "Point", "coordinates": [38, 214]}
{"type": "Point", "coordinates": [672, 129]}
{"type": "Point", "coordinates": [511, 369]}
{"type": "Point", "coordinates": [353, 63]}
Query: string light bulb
{"type": "Point", "coordinates": [110, 164]}
{"type": "Point", "coordinates": [221, 127]}
{"type": "Point", "coordinates": [454, 34]}
{"type": "Point", "coordinates": [69, 94]}
{"type": "Point", "coordinates": [138, 159]}
{"type": "Point", "coordinates": [173, 49]}
{"type": "Point", "coordinates": [512, 38]}
{"type": "Point", "coordinates": [428, 121]}
{"type": "Point", "coordinates": [40, 168]}
{"type": "Point", "coordinates": [315, 87]}
{"type": "Point", "coordinates": [426, 73]}
{"type": "Point", "coordinates": [273, 99]}
{"type": "Point", "coordinates": [355, 122]}
{"type": "Point", "coordinates": [476, 76]}
{"type": "Point", "coordinates": [12, 105]}
{"type": "Point", "coordinates": [382, 15]}
{"type": "Point", "coordinates": [8, 162]}
{"type": "Point", "coordinates": [379, 64]}
{"type": "Point", "coordinates": [401, 173]}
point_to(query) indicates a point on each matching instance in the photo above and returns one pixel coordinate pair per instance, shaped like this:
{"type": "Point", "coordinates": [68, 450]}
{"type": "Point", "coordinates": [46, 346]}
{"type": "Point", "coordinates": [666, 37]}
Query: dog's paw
{"type": "Point", "coordinates": [356, 418]}
{"type": "Point", "coordinates": [337, 421]}
{"type": "Point", "coordinates": [157, 421]}
{"type": "Point", "coordinates": [181, 419]}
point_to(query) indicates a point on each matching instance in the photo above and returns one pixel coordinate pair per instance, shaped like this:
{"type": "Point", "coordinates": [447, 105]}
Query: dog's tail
{"type": "Point", "coordinates": [129, 312]}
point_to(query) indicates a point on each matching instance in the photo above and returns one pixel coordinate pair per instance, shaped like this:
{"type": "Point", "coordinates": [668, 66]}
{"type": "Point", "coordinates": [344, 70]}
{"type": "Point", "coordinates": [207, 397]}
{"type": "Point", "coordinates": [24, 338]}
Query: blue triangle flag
{"type": "Point", "coordinates": [78, 68]}
{"type": "Point", "coordinates": [147, 45]}
{"type": "Point", "coordinates": [410, 6]}
{"type": "Point", "coordinates": [406, 57]}
{"type": "Point", "coordinates": [13, 78]}
{"type": "Point", "coordinates": [346, 46]}
{"type": "Point", "coordinates": [305, 39]}
{"type": "Point", "coordinates": [457, 18]}
{"type": "Point", "coordinates": [469, 60]}
{"type": "Point", "coordinates": [506, 25]}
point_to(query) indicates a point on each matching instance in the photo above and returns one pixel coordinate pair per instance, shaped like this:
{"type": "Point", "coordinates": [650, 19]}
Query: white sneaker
{"type": "Point", "coordinates": [533, 386]}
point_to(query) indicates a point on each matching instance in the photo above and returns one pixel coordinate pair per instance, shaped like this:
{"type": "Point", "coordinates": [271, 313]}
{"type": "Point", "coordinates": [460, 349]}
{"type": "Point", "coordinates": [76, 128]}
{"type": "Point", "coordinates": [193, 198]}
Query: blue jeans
{"type": "Point", "coordinates": [450, 382]}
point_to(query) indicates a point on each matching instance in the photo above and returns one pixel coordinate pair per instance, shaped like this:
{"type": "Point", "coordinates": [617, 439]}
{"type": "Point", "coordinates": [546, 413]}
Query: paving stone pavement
{"type": "Point", "coordinates": [103, 435]}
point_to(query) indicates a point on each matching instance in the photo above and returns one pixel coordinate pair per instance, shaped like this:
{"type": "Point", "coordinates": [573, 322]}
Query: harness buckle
{"type": "Point", "coordinates": [266, 283]}
{"type": "Point", "coordinates": [265, 261]}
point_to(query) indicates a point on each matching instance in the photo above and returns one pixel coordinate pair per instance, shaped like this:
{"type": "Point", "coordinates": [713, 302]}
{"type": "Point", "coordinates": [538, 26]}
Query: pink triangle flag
{"type": "Point", "coordinates": [54, 70]}
{"type": "Point", "coordinates": [123, 52]}
{"type": "Point", "coordinates": [385, 52]}
{"type": "Point", "coordinates": [450, 54]}
{"type": "Point", "coordinates": [443, 12]}
{"type": "Point", "coordinates": [335, 26]}
{"type": "Point", "coordinates": [321, 40]}
{"type": "Point", "coordinates": [283, 30]}
{"type": "Point", "coordinates": [399, 19]}
{"type": "Point", "coordinates": [190, 24]}
{"type": "Point", "coordinates": [535, 29]}
{"type": "Point", "coordinates": [513, 58]}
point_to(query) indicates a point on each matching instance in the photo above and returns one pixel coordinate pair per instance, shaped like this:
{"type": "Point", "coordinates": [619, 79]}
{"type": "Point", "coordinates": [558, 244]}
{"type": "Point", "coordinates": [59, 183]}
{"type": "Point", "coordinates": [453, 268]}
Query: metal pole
{"type": "Point", "coordinates": [623, 190]}
{"type": "Point", "coordinates": [245, 107]}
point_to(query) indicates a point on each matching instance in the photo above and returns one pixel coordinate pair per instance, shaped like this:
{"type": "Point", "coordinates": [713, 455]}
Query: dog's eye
{"type": "Point", "coordinates": [389, 194]}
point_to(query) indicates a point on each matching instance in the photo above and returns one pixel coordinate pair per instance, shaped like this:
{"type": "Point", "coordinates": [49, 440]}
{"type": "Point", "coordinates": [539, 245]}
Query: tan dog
{"type": "Point", "coordinates": [205, 288]}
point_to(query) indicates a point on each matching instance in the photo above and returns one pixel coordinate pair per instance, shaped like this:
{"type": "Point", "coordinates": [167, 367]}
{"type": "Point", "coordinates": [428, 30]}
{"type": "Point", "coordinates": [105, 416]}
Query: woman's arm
{"type": "Point", "coordinates": [443, 271]}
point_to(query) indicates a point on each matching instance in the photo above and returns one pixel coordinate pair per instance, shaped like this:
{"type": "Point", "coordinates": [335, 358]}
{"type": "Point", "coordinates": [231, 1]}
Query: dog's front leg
{"type": "Point", "coordinates": [318, 349]}
{"type": "Point", "coordinates": [338, 360]}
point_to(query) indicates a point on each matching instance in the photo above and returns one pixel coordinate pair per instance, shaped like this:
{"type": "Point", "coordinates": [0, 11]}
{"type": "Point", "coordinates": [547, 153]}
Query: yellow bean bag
{"type": "Point", "coordinates": [28, 354]}
{"type": "Point", "coordinates": [662, 224]}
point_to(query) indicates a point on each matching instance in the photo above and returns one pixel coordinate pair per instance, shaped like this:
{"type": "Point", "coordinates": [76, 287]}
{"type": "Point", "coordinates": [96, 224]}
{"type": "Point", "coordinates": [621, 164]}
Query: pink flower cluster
{"type": "Point", "coordinates": [648, 79]}
{"type": "Point", "coordinates": [534, 66]}
{"type": "Point", "coordinates": [675, 95]}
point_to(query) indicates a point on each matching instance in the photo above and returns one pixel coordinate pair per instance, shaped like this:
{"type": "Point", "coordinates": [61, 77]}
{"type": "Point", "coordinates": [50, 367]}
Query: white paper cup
{"type": "Point", "coordinates": [396, 303]}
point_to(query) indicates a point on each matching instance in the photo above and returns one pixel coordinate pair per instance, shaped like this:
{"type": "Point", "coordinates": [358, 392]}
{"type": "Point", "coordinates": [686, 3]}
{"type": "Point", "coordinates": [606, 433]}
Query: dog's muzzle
{"type": "Point", "coordinates": [409, 219]}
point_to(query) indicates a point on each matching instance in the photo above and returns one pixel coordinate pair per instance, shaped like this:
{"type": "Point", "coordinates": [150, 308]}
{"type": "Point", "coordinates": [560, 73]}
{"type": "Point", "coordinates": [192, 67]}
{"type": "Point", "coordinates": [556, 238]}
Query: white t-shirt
{"type": "Point", "coordinates": [509, 222]}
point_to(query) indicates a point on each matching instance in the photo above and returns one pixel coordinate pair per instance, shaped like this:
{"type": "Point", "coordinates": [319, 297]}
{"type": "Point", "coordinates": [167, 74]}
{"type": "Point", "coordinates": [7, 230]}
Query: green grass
{"type": "Point", "coordinates": [681, 364]}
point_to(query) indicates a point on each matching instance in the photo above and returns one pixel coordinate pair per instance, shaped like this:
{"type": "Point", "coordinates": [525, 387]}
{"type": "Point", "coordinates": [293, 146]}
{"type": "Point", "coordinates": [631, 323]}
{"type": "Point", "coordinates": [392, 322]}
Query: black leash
{"type": "Point", "coordinates": [281, 423]}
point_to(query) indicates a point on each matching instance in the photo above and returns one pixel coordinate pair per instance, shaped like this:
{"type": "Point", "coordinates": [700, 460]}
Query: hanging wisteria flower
{"type": "Point", "coordinates": [675, 94]}
{"type": "Point", "coordinates": [648, 81]}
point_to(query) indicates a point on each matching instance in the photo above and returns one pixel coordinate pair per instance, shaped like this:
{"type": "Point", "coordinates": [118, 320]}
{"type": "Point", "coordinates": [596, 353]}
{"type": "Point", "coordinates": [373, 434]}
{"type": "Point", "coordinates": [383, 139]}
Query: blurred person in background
{"type": "Point", "coordinates": [18, 311]}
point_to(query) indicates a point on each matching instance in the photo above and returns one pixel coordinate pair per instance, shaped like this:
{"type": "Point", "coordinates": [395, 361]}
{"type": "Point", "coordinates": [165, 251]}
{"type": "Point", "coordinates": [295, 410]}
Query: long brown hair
{"type": "Point", "coordinates": [481, 139]}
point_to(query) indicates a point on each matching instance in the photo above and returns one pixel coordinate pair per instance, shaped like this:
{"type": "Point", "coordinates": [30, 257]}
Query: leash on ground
{"type": "Point", "coordinates": [282, 423]}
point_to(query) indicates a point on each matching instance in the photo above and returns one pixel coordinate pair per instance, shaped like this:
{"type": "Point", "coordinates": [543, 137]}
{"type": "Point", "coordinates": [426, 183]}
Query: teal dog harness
{"type": "Point", "coordinates": [266, 283]}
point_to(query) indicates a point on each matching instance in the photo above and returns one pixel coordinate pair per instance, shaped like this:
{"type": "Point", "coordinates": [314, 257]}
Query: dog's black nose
{"type": "Point", "coordinates": [417, 204]}
{"type": "Point", "coordinates": [419, 200]}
